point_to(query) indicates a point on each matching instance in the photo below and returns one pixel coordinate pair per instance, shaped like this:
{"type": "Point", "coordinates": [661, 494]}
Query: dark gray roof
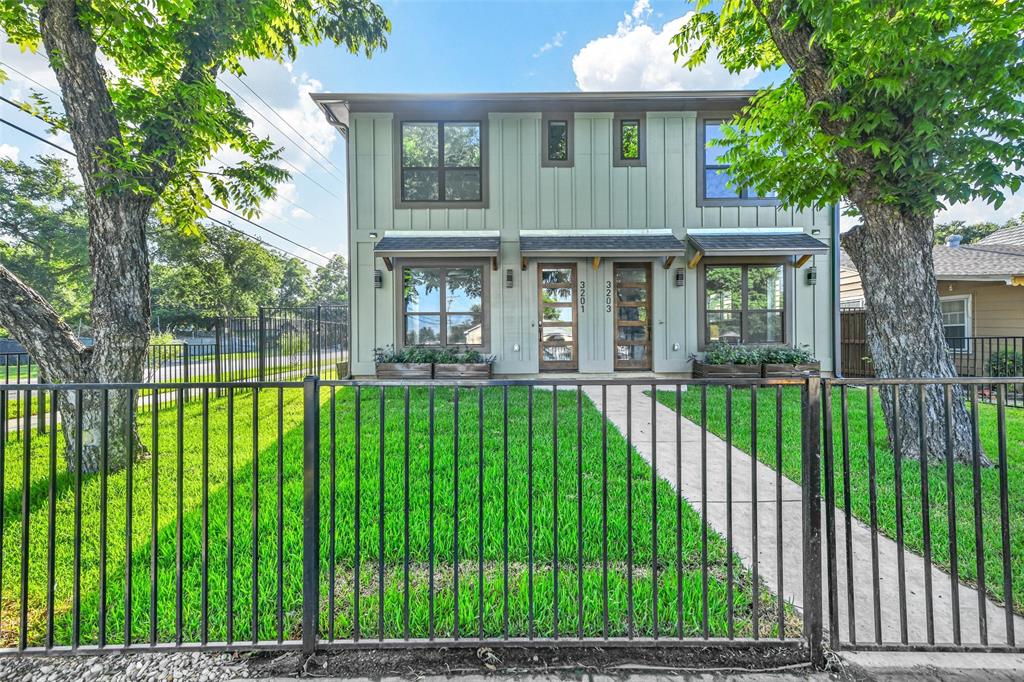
{"type": "Point", "coordinates": [996, 260]}
{"type": "Point", "coordinates": [1012, 236]}
{"type": "Point", "coordinates": [754, 243]}
{"type": "Point", "coordinates": [616, 242]}
{"type": "Point", "coordinates": [400, 244]}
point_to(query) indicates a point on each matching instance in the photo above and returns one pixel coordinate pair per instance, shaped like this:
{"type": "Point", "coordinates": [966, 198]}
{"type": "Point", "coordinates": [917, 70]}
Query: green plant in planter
{"type": "Point", "coordinates": [728, 354]}
{"type": "Point", "coordinates": [787, 355]}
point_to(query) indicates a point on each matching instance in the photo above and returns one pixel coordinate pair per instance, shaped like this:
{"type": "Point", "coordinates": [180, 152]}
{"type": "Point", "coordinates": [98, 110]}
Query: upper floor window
{"type": "Point", "coordinates": [716, 173]}
{"type": "Point", "coordinates": [441, 161]}
{"type": "Point", "coordinates": [556, 140]}
{"type": "Point", "coordinates": [630, 147]}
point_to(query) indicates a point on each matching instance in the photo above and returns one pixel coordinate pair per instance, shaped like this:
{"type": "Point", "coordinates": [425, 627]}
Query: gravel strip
{"type": "Point", "coordinates": [202, 667]}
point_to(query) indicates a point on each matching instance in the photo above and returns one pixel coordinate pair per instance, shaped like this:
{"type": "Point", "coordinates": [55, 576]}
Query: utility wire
{"type": "Point", "coordinates": [279, 236]}
{"type": "Point", "coordinates": [29, 78]}
{"type": "Point", "coordinates": [274, 125]}
{"type": "Point", "coordinates": [261, 242]}
{"type": "Point", "coordinates": [299, 147]}
{"type": "Point", "coordinates": [286, 122]}
{"type": "Point", "coordinates": [254, 224]}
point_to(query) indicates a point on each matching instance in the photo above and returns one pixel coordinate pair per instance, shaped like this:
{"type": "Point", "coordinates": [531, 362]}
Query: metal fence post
{"type": "Point", "coordinates": [218, 349]}
{"type": "Point", "coordinates": [41, 411]}
{"type": "Point", "coordinates": [310, 513]}
{"type": "Point", "coordinates": [811, 482]}
{"type": "Point", "coordinates": [261, 343]}
{"type": "Point", "coordinates": [187, 364]}
{"type": "Point", "coordinates": [316, 345]}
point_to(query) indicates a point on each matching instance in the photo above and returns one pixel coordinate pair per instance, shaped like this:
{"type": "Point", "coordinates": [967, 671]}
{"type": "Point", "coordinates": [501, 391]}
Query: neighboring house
{"type": "Point", "coordinates": [981, 286]}
{"type": "Point", "coordinates": [576, 232]}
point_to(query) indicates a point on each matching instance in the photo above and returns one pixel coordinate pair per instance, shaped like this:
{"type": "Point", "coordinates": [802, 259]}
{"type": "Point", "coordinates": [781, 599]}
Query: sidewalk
{"type": "Point", "coordinates": [770, 542]}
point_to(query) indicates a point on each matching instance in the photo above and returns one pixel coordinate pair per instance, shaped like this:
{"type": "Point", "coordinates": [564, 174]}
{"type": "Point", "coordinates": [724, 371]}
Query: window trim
{"type": "Point", "coordinates": [968, 321]}
{"type": "Point", "coordinates": [704, 118]}
{"type": "Point", "coordinates": [546, 118]}
{"type": "Point", "coordinates": [617, 121]}
{"type": "Point", "coordinates": [788, 282]}
{"type": "Point", "coordinates": [444, 263]}
{"type": "Point", "coordinates": [440, 121]}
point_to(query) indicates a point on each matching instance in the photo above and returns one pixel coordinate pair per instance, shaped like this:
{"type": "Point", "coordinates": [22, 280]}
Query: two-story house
{"type": "Point", "coordinates": [570, 232]}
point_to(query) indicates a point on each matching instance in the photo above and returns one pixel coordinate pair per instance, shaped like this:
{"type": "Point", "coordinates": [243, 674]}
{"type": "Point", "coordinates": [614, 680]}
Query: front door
{"type": "Point", "coordinates": [632, 316]}
{"type": "Point", "coordinates": [557, 317]}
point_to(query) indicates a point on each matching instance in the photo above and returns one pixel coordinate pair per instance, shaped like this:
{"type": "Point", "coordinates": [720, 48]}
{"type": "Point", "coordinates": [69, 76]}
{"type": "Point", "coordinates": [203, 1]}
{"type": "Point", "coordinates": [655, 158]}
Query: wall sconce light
{"type": "Point", "coordinates": [680, 277]}
{"type": "Point", "coordinates": [815, 231]}
{"type": "Point", "coordinates": [373, 235]}
{"type": "Point", "coordinates": [378, 279]}
{"type": "Point", "coordinates": [508, 278]}
{"type": "Point", "coordinates": [812, 275]}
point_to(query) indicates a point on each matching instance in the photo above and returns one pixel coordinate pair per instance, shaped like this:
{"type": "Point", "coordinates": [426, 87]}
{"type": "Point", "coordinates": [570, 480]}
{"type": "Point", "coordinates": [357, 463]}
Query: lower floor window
{"type": "Point", "coordinates": [443, 305]}
{"type": "Point", "coordinates": [956, 320]}
{"type": "Point", "coordinates": [744, 303]}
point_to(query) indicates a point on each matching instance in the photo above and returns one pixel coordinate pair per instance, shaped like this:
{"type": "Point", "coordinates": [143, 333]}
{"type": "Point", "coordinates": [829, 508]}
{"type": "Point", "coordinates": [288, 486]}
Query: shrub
{"type": "Point", "coordinates": [437, 356]}
{"type": "Point", "coordinates": [728, 354]}
{"type": "Point", "coordinates": [1005, 363]}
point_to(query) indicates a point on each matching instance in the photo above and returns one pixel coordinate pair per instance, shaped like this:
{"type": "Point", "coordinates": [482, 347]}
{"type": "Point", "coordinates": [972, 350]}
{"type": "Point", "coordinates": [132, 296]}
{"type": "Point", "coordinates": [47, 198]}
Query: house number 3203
{"type": "Point", "coordinates": [608, 295]}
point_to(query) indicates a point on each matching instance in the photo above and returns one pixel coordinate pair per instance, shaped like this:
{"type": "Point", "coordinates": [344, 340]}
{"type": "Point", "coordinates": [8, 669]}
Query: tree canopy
{"type": "Point", "coordinates": [972, 232]}
{"type": "Point", "coordinates": [916, 104]}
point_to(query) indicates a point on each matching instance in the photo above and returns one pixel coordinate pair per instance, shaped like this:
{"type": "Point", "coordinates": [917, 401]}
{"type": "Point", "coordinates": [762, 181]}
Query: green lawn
{"type": "Point", "coordinates": [885, 471]}
{"type": "Point", "coordinates": [264, 473]}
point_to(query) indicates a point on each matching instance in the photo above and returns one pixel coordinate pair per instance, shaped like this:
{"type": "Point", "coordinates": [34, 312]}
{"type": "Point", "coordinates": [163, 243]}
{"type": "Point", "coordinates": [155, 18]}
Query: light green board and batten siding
{"type": "Point", "coordinates": [590, 195]}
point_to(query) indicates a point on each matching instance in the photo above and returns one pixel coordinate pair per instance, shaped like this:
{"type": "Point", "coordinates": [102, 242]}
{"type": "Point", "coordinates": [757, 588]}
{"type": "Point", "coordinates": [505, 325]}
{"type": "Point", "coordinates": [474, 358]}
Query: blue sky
{"type": "Point", "coordinates": [437, 46]}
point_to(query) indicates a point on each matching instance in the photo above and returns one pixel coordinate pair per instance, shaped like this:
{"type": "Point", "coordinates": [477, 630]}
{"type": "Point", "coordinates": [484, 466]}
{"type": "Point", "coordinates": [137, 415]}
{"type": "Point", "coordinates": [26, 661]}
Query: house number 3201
{"type": "Point", "coordinates": [583, 297]}
{"type": "Point", "coordinates": [608, 295]}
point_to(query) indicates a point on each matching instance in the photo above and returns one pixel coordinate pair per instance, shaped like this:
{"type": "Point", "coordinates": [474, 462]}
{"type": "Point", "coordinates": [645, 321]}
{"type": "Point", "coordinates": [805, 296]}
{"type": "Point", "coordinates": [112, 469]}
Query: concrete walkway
{"type": "Point", "coordinates": [770, 543]}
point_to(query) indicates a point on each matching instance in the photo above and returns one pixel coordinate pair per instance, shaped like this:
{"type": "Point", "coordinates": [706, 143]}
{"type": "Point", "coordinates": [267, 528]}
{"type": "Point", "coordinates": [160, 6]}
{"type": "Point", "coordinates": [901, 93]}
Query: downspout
{"type": "Point", "coordinates": [837, 360]}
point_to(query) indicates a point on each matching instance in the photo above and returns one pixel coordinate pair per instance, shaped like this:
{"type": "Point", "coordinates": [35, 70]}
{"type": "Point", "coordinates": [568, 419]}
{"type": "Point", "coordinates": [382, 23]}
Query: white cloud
{"type": "Point", "coordinates": [9, 152]}
{"type": "Point", "coordinates": [979, 211]}
{"type": "Point", "coordinates": [556, 41]}
{"type": "Point", "coordinates": [638, 56]}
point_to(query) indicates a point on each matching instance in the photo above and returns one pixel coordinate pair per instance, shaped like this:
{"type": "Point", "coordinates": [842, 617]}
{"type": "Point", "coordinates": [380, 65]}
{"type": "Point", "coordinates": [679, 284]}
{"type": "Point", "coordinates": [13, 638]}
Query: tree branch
{"type": "Point", "coordinates": [34, 322]}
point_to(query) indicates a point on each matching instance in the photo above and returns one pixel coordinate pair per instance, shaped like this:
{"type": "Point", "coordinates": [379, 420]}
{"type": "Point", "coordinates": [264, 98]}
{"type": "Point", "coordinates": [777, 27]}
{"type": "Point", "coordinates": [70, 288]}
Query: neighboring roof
{"type": "Point", "coordinates": [978, 260]}
{"type": "Point", "coordinates": [336, 106]}
{"type": "Point", "coordinates": [425, 243]}
{"type": "Point", "coordinates": [738, 243]}
{"type": "Point", "coordinates": [1014, 236]}
{"type": "Point", "coordinates": [604, 242]}
{"type": "Point", "coordinates": [995, 261]}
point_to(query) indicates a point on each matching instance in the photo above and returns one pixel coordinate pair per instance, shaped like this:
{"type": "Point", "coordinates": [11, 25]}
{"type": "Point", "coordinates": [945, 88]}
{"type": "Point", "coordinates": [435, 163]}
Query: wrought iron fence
{"type": "Point", "coordinates": [332, 514]}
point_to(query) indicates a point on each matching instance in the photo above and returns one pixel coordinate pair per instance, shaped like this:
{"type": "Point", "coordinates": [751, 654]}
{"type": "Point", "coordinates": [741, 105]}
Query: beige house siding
{"type": "Point", "coordinates": [850, 290]}
{"type": "Point", "coordinates": [996, 308]}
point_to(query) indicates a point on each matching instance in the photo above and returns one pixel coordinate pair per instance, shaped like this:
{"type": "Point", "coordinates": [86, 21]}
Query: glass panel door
{"type": "Point", "coordinates": [632, 316]}
{"type": "Point", "coordinates": [557, 317]}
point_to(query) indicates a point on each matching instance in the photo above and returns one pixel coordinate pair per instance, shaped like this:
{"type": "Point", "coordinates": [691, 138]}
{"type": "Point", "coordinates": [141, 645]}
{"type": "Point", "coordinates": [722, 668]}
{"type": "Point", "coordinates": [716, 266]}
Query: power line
{"type": "Point", "coordinates": [286, 122]}
{"type": "Point", "coordinates": [38, 137]}
{"type": "Point", "coordinates": [279, 236]}
{"type": "Point", "coordinates": [254, 224]}
{"type": "Point", "coordinates": [29, 78]}
{"type": "Point", "coordinates": [261, 242]}
{"type": "Point", "coordinates": [297, 145]}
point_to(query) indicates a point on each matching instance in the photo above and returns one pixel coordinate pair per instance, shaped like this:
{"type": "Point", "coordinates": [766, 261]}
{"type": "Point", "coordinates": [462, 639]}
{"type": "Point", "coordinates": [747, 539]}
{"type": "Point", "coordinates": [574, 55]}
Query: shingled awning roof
{"type": "Point", "coordinates": [738, 243]}
{"type": "Point", "coordinates": [607, 242]}
{"type": "Point", "coordinates": [449, 243]}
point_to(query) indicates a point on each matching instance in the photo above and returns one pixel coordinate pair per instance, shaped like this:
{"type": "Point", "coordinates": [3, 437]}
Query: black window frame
{"type": "Point", "coordinates": [441, 201]}
{"type": "Point", "coordinates": [788, 282]}
{"type": "Point", "coordinates": [640, 118]}
{"type": "Point", "coordinates": [743, 198]}
{"type": "Point", "coordinates": [547, 118]}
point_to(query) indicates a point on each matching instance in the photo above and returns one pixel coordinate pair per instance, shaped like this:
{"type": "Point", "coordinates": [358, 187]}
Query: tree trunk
{"type": "Point", "coordinates": [893, 254]}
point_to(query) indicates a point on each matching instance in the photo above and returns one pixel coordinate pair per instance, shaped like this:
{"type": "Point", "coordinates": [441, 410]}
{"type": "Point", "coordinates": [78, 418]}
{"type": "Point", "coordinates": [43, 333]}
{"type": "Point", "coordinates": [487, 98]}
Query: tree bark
{"type": "Point", "coordinates": [893, 254]}
{"type": "Point", "coordinates": [118, 258]}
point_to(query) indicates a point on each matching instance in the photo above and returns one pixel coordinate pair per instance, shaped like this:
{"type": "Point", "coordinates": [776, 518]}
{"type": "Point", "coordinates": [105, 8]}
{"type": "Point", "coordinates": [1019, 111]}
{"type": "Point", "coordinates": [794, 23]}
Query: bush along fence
{"type": "Point", "coordinates": [329, 514]}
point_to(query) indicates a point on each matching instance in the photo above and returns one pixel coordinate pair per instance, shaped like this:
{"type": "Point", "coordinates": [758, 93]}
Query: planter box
{"type": "Point", "coordinates": [810, 369]}
{"type": "Point", "coordinates": [728, 371]}
{"type": "Point", "coordinates": [475, 370]}
{"type": "Point", "coordinates": [404, 370]}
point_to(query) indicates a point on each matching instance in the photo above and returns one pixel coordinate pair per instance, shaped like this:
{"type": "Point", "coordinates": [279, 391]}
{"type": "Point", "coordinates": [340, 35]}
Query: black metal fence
{"type": "Point", "coordinates": [321, 514]}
